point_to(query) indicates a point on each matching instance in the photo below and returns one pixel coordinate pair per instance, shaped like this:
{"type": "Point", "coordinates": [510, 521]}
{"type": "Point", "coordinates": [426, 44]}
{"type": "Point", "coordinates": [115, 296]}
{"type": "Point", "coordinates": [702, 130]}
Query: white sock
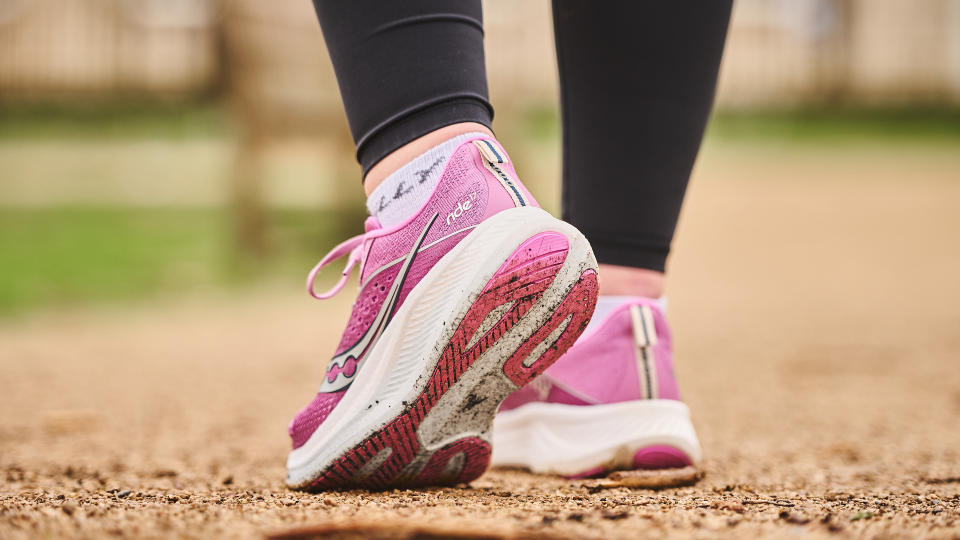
{"type": "Point", "coordinates": [608, 303]}
{"type": "Point", "coordinates": [402, 193]}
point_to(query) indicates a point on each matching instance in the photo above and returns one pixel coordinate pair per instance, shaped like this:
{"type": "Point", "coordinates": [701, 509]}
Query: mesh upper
{"type": "Point", "coordinates": [310, 417]}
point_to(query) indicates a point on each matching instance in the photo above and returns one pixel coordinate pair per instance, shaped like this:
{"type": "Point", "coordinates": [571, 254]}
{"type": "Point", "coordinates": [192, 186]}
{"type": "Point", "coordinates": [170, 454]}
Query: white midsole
{"type": "Point", "coordinates": [570, 439]}
{"type": "Point", "coordinates": [401, 362]}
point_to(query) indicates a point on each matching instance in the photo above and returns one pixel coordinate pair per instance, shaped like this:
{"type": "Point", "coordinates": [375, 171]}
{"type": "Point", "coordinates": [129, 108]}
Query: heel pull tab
{"type": "Point", "coordinates": [493, 157]}
{"type": "Point", "coordinates": [644, 339]}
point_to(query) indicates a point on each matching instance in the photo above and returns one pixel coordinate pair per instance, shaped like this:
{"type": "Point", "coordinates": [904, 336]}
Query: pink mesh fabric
{"type": "Point", "coordinates": [310, 417]}
{"type": "Point", "coordinates": [559, 395]}
{"type": "Point", "coordinates": [521, 397]}
{"type": "Point", "coordinates": [602, 366]}
{"type": "Point", "coordinates": [541, 389]}
{"type": "Point", "coordinates": [464, 179]}
{"type": "Point", "coordinates": [366, 306]}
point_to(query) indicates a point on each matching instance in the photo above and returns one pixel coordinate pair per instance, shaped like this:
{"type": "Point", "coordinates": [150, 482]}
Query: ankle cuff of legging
{"type": "Point", "coordinates": [408, 126]}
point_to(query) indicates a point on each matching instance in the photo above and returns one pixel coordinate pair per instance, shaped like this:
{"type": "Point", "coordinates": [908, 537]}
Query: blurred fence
{"type": "Point", "coordinates": [780, 52]}
{"type": "Point", "coordinates": [786, 52]}
{"type": "Point", "coordinates": [84, 48]}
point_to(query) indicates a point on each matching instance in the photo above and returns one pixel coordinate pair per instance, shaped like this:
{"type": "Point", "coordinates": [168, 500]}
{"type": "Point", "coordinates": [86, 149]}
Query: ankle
{"type": "Point", "coordinates": [627, 281]}
{"type": "Point", "coordinates": [399, 157]}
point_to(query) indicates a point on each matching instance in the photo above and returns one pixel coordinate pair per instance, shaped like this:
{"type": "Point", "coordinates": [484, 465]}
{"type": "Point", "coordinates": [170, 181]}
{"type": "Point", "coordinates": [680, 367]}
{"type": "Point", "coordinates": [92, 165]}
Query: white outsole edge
{"type": "Point", "coordinates": [570, 439]}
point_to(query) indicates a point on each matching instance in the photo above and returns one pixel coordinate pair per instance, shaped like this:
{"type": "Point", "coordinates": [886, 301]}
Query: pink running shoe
{"type": "Point", "coordinates": [610, 403]}
{"type": "Point", "coordinates": [459, 306]}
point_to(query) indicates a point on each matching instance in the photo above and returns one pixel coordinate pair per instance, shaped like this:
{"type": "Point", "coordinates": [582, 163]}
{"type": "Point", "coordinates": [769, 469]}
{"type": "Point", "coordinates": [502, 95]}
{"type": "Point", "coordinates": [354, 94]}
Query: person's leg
{"type": "Point", "coordinates": [406, 70]}
{"type": "Point", "coordinates": [637, 84]}
{"type": "Point", "coordinates": [637, 81]}
{"type": "Point", "coordinates": [467, 291]}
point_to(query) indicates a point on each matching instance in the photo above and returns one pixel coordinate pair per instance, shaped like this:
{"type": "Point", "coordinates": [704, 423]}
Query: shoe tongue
{"type": "Point", "coordinates": [371, 224]}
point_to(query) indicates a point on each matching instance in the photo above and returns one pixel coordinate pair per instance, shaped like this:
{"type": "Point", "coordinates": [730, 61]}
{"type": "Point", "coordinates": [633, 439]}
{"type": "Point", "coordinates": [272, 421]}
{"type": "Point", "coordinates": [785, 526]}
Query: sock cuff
{"type": "Point", "coordinates": [607, 303]}
{"type": "Point", "coordinates": [615, 301]}
{"type": "Point", "coordinates": [412, 183]}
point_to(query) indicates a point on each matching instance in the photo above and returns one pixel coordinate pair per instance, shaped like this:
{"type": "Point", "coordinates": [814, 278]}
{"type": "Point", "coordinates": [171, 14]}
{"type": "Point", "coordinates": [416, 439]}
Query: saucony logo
{"type": "Point", "coordinates": [340, 374]}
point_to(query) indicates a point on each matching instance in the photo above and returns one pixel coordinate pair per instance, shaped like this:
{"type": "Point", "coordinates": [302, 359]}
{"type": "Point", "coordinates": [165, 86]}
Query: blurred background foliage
{"type": "Point", "coordinates": [160, 147]}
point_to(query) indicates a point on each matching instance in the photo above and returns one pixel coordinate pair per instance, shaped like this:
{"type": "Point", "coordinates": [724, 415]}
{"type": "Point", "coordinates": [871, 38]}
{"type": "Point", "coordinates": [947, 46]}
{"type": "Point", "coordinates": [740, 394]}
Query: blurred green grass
{"type": "Point", "coordinates": [820, 125]}
{"type": "Point", "coordinates": [829, 126]}
{"type": "Point", "coordinates": [63, 256]}
{"type": "Point", "coordinates": [70, 255]}
{"type": "Point", "coordinates": [78, 255]}
{"type": "Point", "coordinates": [113, 120]}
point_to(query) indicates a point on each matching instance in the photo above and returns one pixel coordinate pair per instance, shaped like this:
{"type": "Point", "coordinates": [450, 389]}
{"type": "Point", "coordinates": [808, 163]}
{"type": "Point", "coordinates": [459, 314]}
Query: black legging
{"type": "Point", "coordinates": [636, 84]}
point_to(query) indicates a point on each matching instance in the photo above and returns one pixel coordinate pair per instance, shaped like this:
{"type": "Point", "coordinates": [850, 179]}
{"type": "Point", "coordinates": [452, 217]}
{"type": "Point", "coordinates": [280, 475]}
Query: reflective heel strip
{"type": "Point", "coordinates": [490, 151]}
{"type": "Point", "coordinates": [644, 339]}
{"type": "Point", "coordinates": [492, 158]}
{"type": "Point", "coordinates": [644, 331]}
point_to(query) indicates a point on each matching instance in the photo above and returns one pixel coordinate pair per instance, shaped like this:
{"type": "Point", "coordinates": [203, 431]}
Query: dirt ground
{"type": "Point", "coordinates": [816, 305]}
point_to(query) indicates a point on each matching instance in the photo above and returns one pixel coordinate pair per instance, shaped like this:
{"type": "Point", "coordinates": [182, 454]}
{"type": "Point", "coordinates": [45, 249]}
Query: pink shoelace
{"type": "Point", "coordinates": [355, 247]}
